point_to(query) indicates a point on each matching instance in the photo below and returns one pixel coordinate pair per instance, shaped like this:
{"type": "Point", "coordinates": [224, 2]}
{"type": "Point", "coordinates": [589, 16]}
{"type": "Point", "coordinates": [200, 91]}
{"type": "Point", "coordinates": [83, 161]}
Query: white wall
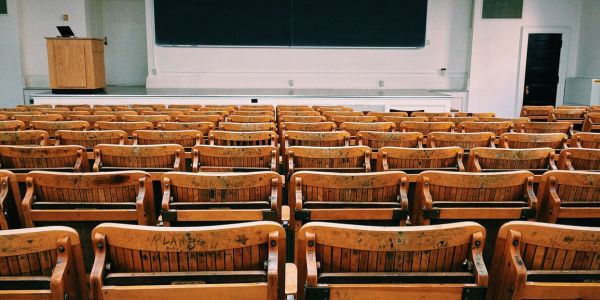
{"type": "Point", "coordinates": [496, 49]}
{"type": "Point", "coordinates": [11, 85]}
{"type": "Point", "coordinates": [588, 60]}
{"type": "Point", "coordinates": [448, 30]}
{"type": "Point", "coordinates": [38, 19]}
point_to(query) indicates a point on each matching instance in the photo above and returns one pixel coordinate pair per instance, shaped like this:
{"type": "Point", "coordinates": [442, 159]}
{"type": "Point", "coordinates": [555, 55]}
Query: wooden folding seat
{"type": "Point", "coordinates": [153, 106]}
{"type": "Point", "coordinates": [580, 159]}
{"type": "Point", "coordinates": [28, 118]}
{"type": "Point", "coordinates": [215, 119]}
{"type": "Point", "coordinates": [536, 113]}
{"type": "Point", "coordinates": [41, 263]}
{"type": "Point", "coordinates": [592, 122]}
{"type": "Point", "coordinates": [548, 127]}
{"type": "Point", "coordinates": [381, 115]}
{"type": "Point", "coordinates": [150, 158]}
{"type": "Point", "coordinates": [400, 120]}
{"type": "Point", "coordinates": [250, 119]}
{"type": "Point", "coordinates": [322, 108]}
{"type": "Point", "coordinates": [185, 138]}
{"type": "Point", "coordinates": [140, 110]}
{"type": "Point", "coordinates": [536, 161]}
{"type": "Point", "coordinates": [52, 126]}
{"type": "Point", "coordinates": [13, 109]}
{"type": "Point", "coordinates": [257, 107]}
{"type": "Point", "coordinates": [12, 125]}
{"type": "Point", "coordinates": [67, 113]}
{"type": "Point", "coordinates": [230, 126]}
{"type": "Point", "coordinates": [330, 159]}
{"type": "Point", "coordinates": [30, 106]}
{"type": "Point", "coordinates": [584, 107]}
{"type": "Point", "coordinates": [226, 262]}
{"type": "Point", "coordinates": [170, 109]}
{"type": "Point", "coordinates": [172, 114]}
{"type": "Point", "coordinates": [3, 118]}
{"type": "Point", "coordinates": [186, 106]}
{"type": "Point", "coordinates": [376, 140]}
{"type": "Point", "coordinates": [93, 119]}
{"type": "Point", "coordinates": [316, 139]}
{"type": "Point", "coordinates": [223, 113]}
{"type": "Point", "coordinates": [545, 261]}
{"type": "Point", "coordinates": [128, 127]}
{"type": "Point", "coordinates": [455, 120]}
{"type": "Point", "coordinates": [516, 121]}
{"type": "Point", "coordinates": [233, 138]}
{"type": "Point", "coordinates": [253, 113]}
{"type": "Point", "coordinates": [71, 106]}
{"type": "Point", "coordinates": [224, 108]}
{"type": "Point", "coordinates": [298, 113]}
{"type": "Point", "coordinates": [498, 128]}
{"type": "Point", "coordinates": [115, 107]}
{"type": "Point", "coordinates": [533, 140]}
{"type": "Point", "coordinates": [22, 159]}
{"type": "Point", "coordinates": [89, 139]}
{"type": "Point", "coordinates": [302, 119]}
{"type": "Point", "coordinates": [352, 262]}
{"type": "Point", "coordinates": [154, 119]}
{"type": "Point", "coordinates": [575, 116]}
{"type": "Point", "coordinates": [464, 140]}
{"type": "Point", "coordinates": [430, 115]}
{"type": "Point", "coordinates": [426, 128]}
{"type": "Point", "coordinates": [118, 113]}
{"type": "Point", "coordinates": [204, 127]}
{"type": "Point", "coordinates": [476, 115]}
{"type": "Point", "coordinates": [348, 116]}
{"type": "Point", "coordinates": [354, 127]}
{"type": "Point", "coordinates": [24, 138]}
{"type": "Point", "coordinates": [96, 109]}
{"type": "Point", "coordinates": [294, 107]}
{"type": "Point", "coordinates": [308, 126]}
{"type": "Point", "coordinates": [206, 158]}
{"type": "Point", "coordinates": [415, 160]}
{"type": "Point", "coordinates": [10, 202]}
{"type": "Point", "coordinates": [11, 114]}
{"type": "Point", "coordinates": [584, 140]}
{"type": "Point", "coordinates": [365, 198]}
{"type": "Point", "coordinates": [197, 199]}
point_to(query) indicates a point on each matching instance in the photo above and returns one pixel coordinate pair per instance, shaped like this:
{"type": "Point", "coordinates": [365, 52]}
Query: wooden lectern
{"type": "Point", "coordinates": [76, 64]}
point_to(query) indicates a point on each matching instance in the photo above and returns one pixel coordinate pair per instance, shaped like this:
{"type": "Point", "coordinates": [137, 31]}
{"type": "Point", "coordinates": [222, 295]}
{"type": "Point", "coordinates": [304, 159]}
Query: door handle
{"type": "Point", "coordinates": [526, 90]}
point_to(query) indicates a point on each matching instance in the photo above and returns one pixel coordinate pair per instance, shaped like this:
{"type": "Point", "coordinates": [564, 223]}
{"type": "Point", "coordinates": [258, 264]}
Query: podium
{"type": "Point", "coordinates": [76, 65]}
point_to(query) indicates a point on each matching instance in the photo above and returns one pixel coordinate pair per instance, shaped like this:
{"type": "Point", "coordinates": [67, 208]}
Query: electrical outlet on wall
{"type": "Point", "coordinates": [381, 83]}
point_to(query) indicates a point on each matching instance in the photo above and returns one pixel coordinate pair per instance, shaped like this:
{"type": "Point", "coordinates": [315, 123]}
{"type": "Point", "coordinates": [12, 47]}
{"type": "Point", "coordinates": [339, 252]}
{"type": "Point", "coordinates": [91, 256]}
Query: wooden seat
{"type": "Point", "coordinates": [204, 127]}
{"type": "Point", "coordinates": [190, 106]}
{"type": "Point", "coordinates": [31, 106]}
{"type": "Point", "coordinates": [548, 127]}
{"type": "Point", "coordinates": [151, 158]}
{"type": "Point", "coordinates": [455, 120]}
{"type": "Point", "coordinates": [354, 127]}
{"type": "Point", "coordinates": [251, 119]}
{"type": "Point", "coordinates": [516, 121]}
{"type": "Point", "coordinates": [72, 106]}
{"type": "Point", "coordinates": [115, 107]}
{"type": "Point", "coordinates": [306, 126]}
{"type": "Point", "coordinates": [11, 114]}
{"type": "Point", "coordinates": [354, 262]}
{"type": "Point", "coordinates": [94, 109]}
{"type": "Point", "coordinates": [41, 263]}
{"type": "Point", "coordinates": [584, 107]}
{"type": "Point", "coordinates": [209, 158]}
{"type": "Point", "coordinates": [371, 198]}
{"type": "Point", "coordinates": [257, 107]}
{"type": "Point", "coordinates": [302, 119]}
{"type": "Point", "coordinates": [67, 114]}
{"type": "Point", "coordinates": [476, 115]}
{"type": "Point", "coordinates": [253, 113]}
{"type": "Point", "coordinates": [545, 261]}
{"type": "Point", "coordinates": [224, 262]}
{"type": "Point", "coordinates": [569, 196]}
{"type": "Point", "coordinates": [232, 138]}
{"type": "Point", "coordinates": [316, 139]}
{"type": "Point", "coordinates": [171, 113]}
{"type": "Point", "coordinates": [184, 110]}
{"type": "Point", "coordinates": [10, 202]}
{"type": "Point", "coordinates": [426, 128]}
{"type": "Point", "coordinates": [12, 125]}
{"type": "Point", "coordinates": [330, 159]}
{"type": "Point", "coordinates": [229, 108]}
{"type": "Point", "coordinates": [575, 116]}
{"type": "Point", "coordinates": [338, 120]}
{"type": "Point", "coordinates": [215, 112]}
{"type": "Point", "coordinates": [22, 159]}
{"type": "Point", "coordinates": [118, 113]}
{"type": "Point", "coordinates": [221, 197]}
{"type": "Point", "coordinates": [498, 128]}
{"type": "Point", "coordinates": [153, 106]}
{"type": "Point", "coordinates": [93, 119]}
{"type": "Point", "coordinates": [322, 108]}
{"type": "Point", "coordinates": [536, 113]}
{"type": "Point", "coordinates": [376, 140]}
{"type": "Point", "coordinates": [294, 108]}
{"type": "Point", "coordinates": [185, 138]}
{"type": "Point", "coordinates": [536, 161]}
{"type": "Point", "coordinates": [399, 120]}
{"type": "Point", "coordinates": [287, 113]}
{"type": "Point", "coordinates": [381, 115]}
{"type": "Point", "coordinates": [141, 109]}
{"type": "Point", "coordinates": [341, 113]}
{"type": "Point", "coordinates": [415, 160]}
{"type": "Point", "coordinates": [533, 140]}
{"type": "Point", "coordinates": [215, 119]}
{"type": "Point", "coordinates": [154, 119]}
{"type": "Point", "coordinates": [128, 127]}
{"type": "Point", "coordinates": [24, 138]}
{"type": "Point", "coordinates": [585, 140]}
{"type": "Point", "coordinates": [52, 127]}
{"type": "Point", "coordinates": [580, 159]}
{"type": "Point", "coordinates": [28, 118]}
{"type": "Point", "coordinates": [89, 139]}
{"type": "Point", "coordinates": [430, 115]}
{"type": "Point", "coordinates": [592, 122]}
{"type": "Point", "coordinates": [230, 126]}
{"type": "Point", "coordinates": [464, 140]}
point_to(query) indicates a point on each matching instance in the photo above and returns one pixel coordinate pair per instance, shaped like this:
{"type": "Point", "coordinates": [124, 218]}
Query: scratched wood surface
{"type": "Point", "coordinates": [339, 119]}
{"type": "Point", "coordinates": [89, 139]}
{"type": "Point", "coordinates": [140, 157]}
{"type": "Point", "coordinates": [28, 118]}
{"type": "Point", "coordinates": [395, 158]}
{"type": "Point", "coordinates": [52, 126]}
{"type": "Point", "coordinates": [574, 115]}
{"type": "Point", "coordinates": [47, 157]}
{"type": "Point", "coordinates": [559, 189]}
{"type": "Point", "coordinates": [352, 158]}
{"type": "Point", "coordinates": [463, 140]}
{"type": "Point", "coordinates": [456, 120]}
{"type": "Point", "coordinates": [533, 140]}
{"type": "Point", "coordinates": [426, 127]}
{"type": "Point", "coordinates": [488, 159]}
{"type": "Point", "coordinates": [497, 128]}
{"type": "Point", "coordinates": [476, 115]}
{"type": "Point", "coordinates": [128, 127]}
{"type": "Point", "coordinates": [592, 122]}
{"type": "Point", "coordinates": [232, 138]}
{"type": "Point", "coordinates": [548, 127]}
{"type": "Point", "coordinates": [24, 138]}
{"type": "Point", "coordinates": [579, 159]}
{"type": "Point", "coordinates": [231, 126]}
{"type": "Point", "coordinates": [536, 113]}
{"type": "Point", "coordinates": [185, 138]}
{"type": "Point", "coordinates": [12, 125]}
{"type": "Point", "coordinates": [204, 127]}
{"type": "Point", "coordinates": [354, 127]}
{"type": "Point", "coordinates": [206, 157]}
{"type": "Point", "coordinates": [585, 140]}
{"type": "Point", "coordinates": [376, 140]}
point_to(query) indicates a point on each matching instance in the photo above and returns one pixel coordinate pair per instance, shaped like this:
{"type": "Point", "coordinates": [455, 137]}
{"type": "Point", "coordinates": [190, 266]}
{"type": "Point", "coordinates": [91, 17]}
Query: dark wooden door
{"type": "Point", "coordinates": [541, 71]}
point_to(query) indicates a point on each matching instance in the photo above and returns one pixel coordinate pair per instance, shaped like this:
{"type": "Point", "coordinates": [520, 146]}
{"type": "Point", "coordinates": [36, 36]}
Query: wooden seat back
{"type": "Point", "coordinates": [294, 108]}
{"type": "Point", "coordinates": [204, 127]}
{"type": "Point", "coordinates": [190, 106]}
{"type": "Point", "coordinates": [426, 127]}
{"type": "Point", "coordinates": [89, 139]}
{"type": "Point", "coordinates": [128, 127]}
{"type": "Point", "coordinates": [308, 126]}
{"type": "Point", "coordinates": [592, 122]}
{"type": "Point", "coordinates": [215, 119]}
{"type": "Point", "coordinates": [24, 138]}
{"type": "Point", "coordinates": [476, 115]}
{"type": "Point", "coordinates": [533, 140]}
{"type": "Point", "coordinates": [338, 119]}
{"type": "Point", "coordinates": [455, 120]}
{"type": "Point", "coordinates": [185, 138]}
{"type": "Point", "coordinates": [93, 119]}
{"type": "Point", "coordinates": [214, 112]}
{"type": "Point", "coordinates": [341, 113]}
{"type": "Point", "coordinates": [584, 107]}
{"type": "Point", "coordinates": [28, 118]}
{"type": "Point", "coordinates": [256, 107]}
{"type": "Point", "coordinates": [316, 139]}
{"type": "Point", "coordinates": [291, 113]}
{"type": "Point", "coordinates": [458, 196]}
{"type": "Point", "coordinates": [183, 110]}
{"type": "Point", "coordinates": [576, 115]}
{"type": "Point", "coordinates": [302, 119]}
{"type": "Point", "coordinates": [333, 159]}
{"type": "Point", "coordinates": [498, 128]}
{"type": "Point", "coordinates": [229, 108]}
{"type": "Point", "coordinates": [234, 158]}
{"type": "Point", "coordinates": [371, 262]}
{"type": "Point", "coordinates": [585, 140]}
{"type": "Point", "coordinates": [253, 113]}
{"type": "Point", "coordinates": [430, 115]}
{"type": "Point", "coordinates": [221, 197]}
{"type": "Point", "coordinates": [72, 106]}
{"type": "Point", "coordinates": [12, 125]}
{"type": "Point", "coordinates": [536, 113]}
{"type": "Point", "coordinates": [230, 126]}
{"type": "Point", "coordinates": [323, 108]}
{"type": "Point", "coordinates": [171, 113]}
{"type": "Point", "coordinates": [376, 140]}
{"type": "Point", "coordinates": [159, 158]}
{"type": "Point", "coordinates": [545, 261]}
{"type": "Point", "coordinates": [152, 106]}
{"type": "Point", "coordinates": [251, 119]}
{"type": "Point", "coordinates": [67, 114]}
{"type": "Point", "coordinates": [416, 160]}
{"type": "Point", "coordinates": [10, 202]}
{"type": "Point", "coordinates": [537, 160]}
{"type": "Point", "coordinates": [580, 159]}
{"type": "Point", "coordinates": [114, 107]}
{"type": "Point", "coordinates": [569, 195]}
{"type": "Point", "coordinates": [11, 114]}
{"type": "Point", "coordinates": [51, 127]}
{"type": "Point", "coordinates": [381, 115]}
{"type": "Point", "coordinates": [399, 120]}
{"type": "Point", "coordinates": [516, 121]}
{"type": "Point", "coordinates": [463, 140]}
{"type": "Point", "coordinates": [118, 113]}
{"type": "Point", "coordinates": [354, 127]}
{"type": "Point", "coordinates": [154, 119]}
{"type": "Point", "coordinates": [233, 138]}
{"type": "Point", "coordinates": [23, 159]}
{"type": "Point", "coordinates": [42, 263]}
{"type": "Point", "coordinates": [548, 127]}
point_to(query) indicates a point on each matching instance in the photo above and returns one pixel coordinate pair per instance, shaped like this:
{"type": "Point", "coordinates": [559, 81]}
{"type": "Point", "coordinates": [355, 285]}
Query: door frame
{"type": "Point", "coordinates": [563, 65]}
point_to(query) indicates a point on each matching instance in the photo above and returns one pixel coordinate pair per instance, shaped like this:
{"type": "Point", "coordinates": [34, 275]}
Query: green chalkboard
{"type": "Point", "coordinates": [3, 9]}
{"type": "Point", "coordinates": [502, 9]}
